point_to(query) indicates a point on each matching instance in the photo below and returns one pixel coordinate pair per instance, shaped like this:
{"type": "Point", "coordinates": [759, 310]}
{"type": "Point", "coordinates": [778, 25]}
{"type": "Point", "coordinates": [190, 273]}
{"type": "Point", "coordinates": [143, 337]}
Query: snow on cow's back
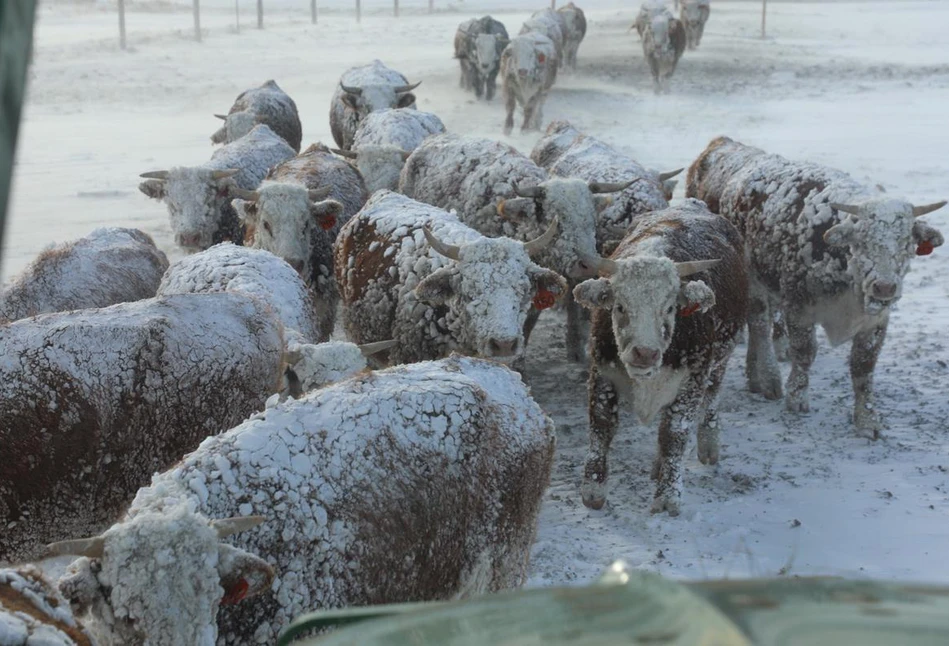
{"type": "Point", "coordinates": [253, 155]}
{"type": "Point", "coordinates": [404, 128]}
{"type": "Point", "coordinates": [396, 216]}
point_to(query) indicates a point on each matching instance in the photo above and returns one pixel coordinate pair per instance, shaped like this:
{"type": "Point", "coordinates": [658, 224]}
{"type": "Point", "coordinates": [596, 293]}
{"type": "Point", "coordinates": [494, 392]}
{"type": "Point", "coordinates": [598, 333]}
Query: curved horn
{"type": "Point", "coordinates": [540, 243]}
{"type": "Point", "coordinates": [155, 174]}
{"type": "Point", "coordinates": [611, 187]}
{"type": "Point", "coordinates": [928, 208]}
{"type": "Point", "coordinates": [222, 117]}
{"type": "Point", "coordinates": [351, 89]}
{"type": "Point", "coordinates": [369, 349]}
{"type": "Point", "coordinates": [227, 172]}
{"type": "Point", "coordinates": [694, 266]}
{"type": "Point", "coordinates": [250, 196]}
{"type": "Point", "coordinates": [318, 194]}
{"type": "Point", "coordinates": [348, 154]}
{"type": "Point", "coordinates": [227, 526]}
{"type": "Point", "coordinates": [406, 88]}
{"type": "Point", "coordinates": [448, 250]}
{"type": "Point", "coordinates": [672, 173]}
{"type": "Point", "coordinates": [604, 266]}
{"type": "Point", "coordinates": [846, 208]}
{"type": "Point", "coordinates": [529, 191]}
{"type": "Point", "coordinates": [91, 547]}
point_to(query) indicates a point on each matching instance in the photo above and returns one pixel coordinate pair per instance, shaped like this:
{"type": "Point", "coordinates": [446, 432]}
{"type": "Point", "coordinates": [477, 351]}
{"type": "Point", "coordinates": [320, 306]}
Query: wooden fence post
{"type": "Point", "coordinates": [122, 42]}
{"type": "Point", "coordinates": [260, 14]}
{"type": "Point", "coordinates": [237, 15]}
{"type": "Point", "coordinates": [358, 11]}
{"type": "Point", "coordinates": [197, 20]}
{"type": "Point", "coordinates": [764, 10]}
{"type": "Point", "coordinates": [431, 6]}
{"type": "Point", "coordinates": [395, 8]}
{"type": "Point", "coordinates": [313, 11]}
{"type": "Point", "coordinates": [553, 4]}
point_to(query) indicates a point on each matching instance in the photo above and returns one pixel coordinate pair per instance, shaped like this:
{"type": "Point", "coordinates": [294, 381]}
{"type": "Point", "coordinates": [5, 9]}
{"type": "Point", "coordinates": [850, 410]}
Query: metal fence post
{"type": "Point", "coordinates": [764, 10]}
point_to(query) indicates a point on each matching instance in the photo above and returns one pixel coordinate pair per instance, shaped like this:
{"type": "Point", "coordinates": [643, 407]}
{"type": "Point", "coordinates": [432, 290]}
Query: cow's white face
{"type": "Point", "coordinates": [377, 97]}
{"type": "Point", "coordinates": [380, 166]}
{"type": "Point", "coordinates": [486, 51]}
{"type": "Point", "coordinates": [238, 124]}
{"type": "Point", "coordinates": [194, 202]}
{"type": "Point", "coordinates": [528, 61]}
{"type": "Point", "coordinates": [658, 30]}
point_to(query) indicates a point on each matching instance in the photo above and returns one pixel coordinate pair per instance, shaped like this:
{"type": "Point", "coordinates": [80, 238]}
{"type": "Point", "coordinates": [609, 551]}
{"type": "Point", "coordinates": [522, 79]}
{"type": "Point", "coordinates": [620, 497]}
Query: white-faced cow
{"type": "Point", "coordinates": [267, 104]}
{"type": "Point", "coordinates": [664, 42]}
{"type": "Point", "coordinates": [363, 90]}
{"type": "Point", "coordinates": [478, 46]}
{"type": "Point", "coordinates": [528, 71]}
{"type": "Point", "coordinates": [661, 341]}
{"type": "Point", "coordinates": [552, 24]}
{"type": "Point", "coordinates": [827, 249]}
{"type": "Point", "coordinates": [199, 197]}
{"type": "Point", "coordinates": [421, 482]}
{"type": "Point", "coordinates": [694, 15]}
{"type": "Point", "coordinates": [576, 28]}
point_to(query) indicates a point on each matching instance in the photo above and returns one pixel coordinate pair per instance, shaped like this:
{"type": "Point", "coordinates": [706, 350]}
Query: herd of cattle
{"type": "Point", "coordinates": [422, 479]}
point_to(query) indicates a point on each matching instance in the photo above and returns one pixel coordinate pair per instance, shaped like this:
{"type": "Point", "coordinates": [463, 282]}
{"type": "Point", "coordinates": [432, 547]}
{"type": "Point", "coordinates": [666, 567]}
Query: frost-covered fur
{"type": "Point", "coordinates": [395, 286]}
{"type": "Point", "coordinates": [820, 266]}
{"type": "Point", "coordinates": [34, 613]}
{"type": "Point", "coordinates": [646, 12]}
{"type": "Point", "coordinates": [478, 46]}
{"type": "Point", "coordinates": [694, 15]}
{"type": "Point", "coordinates": [575, 29]}
{"type": "Point", "coordinates": [316, 366]}
{"type": "Point", "coordinates": [663, 44]}
{"type": "Point", "coordinates": [92, 402]}
{"type": "Point", "coordinates": [421, 482]}
{"type": "Point", "coordinates": [550, 23]}
{"type": "Point", "coordinates": [199, 206]}
{"type": "Point", "coordinates": [378, 85]}
{"type": "Point", "coordinates": [566, 152]}
{"type": "Point", "coordinates": [663, 341]}
{"type": "Point", "coordinates": [108, 266]}
{"type": "Point", "coordinates": [528, 71]}
{"type": "Point", "coordinates": [267, 104]}
{"type": "Point", "coordinates": [384, 139]}
{"type": "Point", "coordinates": [229, 268]}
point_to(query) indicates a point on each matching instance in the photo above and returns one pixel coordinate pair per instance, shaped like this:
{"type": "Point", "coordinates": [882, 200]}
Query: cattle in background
{"type": "Point", "coordinates": [663, 44]}
{"type": "Point", "coordinates": [384, 140]}
{"type": "Point", "coordinates": [267, 104]}
{"type": "Point", "coordinates": [646, 12]}
{"type": "Point", "coordinates": [661, 341]}
{"type": "Point", "coordinates": [362, 90]}
{"type": "Point", "coordinates": [575, 24]}
{"type": "Point", "coordinates": [199, 197]}
{"type": "Point", "coordinates": [413, 273]}
{"type": "Point", "coordinates": [550, 23]}
{"type": "Point", "coordinates": [110, 265]}
{"type": "Point", "coordinates": [694, 15]}
{"type": "Point", "coordinates": [824, 248]}
{"type": "Point", "coordinates": [528, 71]}
{"type": "Point", "coordinates": [478, 46]}
{"type": "Point", "coordinates": [33, 612]}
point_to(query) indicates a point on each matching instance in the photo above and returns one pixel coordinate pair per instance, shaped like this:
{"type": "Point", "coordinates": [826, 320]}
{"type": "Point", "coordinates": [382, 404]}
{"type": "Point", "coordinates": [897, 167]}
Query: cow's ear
{"type": "Point", "coordinates": [926, 238]}
{"type": "Point", "coordinates": [153, 188]}
{"type": "Point", "coordinates": [246, 211]}
{"type": "Point", "coordinates": [602, 202]}
{"type": "Point", "coordinates": [435, 289]}
{"type": "Point", "coordinates": [350, 101]}
{"type": "Point", "coordinates": [242, 574]}
{"type": "Point", "coordinates": [80, 584]}
{"type": "Point", "coordinates": [839, 235]}
{"type": "Point", "coordinates": [695, 296]}
{"type": "Point", "coordinates": [594, 293]}
{"type": "Point", "coordinates": [406, 100]}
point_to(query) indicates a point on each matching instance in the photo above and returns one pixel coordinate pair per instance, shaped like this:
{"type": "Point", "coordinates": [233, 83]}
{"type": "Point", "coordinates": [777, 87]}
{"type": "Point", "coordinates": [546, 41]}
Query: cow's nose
{"type": "Point", "coordinates": [522, 72]}
{"type": "Point", "coordinates": [297, 265]}
{"type": "Point", "coordinates": [884, 290]}
{"type": "Point", "coordinates": [645, 357]}
{"type": "Point", "coordinates": [188, 239]}
{"type": "Point", "coordinates": [502, 347]}
{"type": "Point", "coordinates": [582, 269]}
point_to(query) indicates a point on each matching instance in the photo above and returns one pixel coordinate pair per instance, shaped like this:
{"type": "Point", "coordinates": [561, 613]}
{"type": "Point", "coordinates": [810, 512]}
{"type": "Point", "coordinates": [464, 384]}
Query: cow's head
{"type": "Point", "coordinates": [487, 52]}
{"type": "Point", "coordinates": [236, 125]}
{"type": "Point", "coordinates": [380, 165]}
{"type": "Point", "coordinates": [692, 14]}
{"type": "Point", "coordinates": [285, 219]}
{"type": "Point", "coordinates": [312, 366]}
{"type": "Point", "coordinates": [369, 98]}
{"type": "Point", "coordinates": [572, 202]}
{"type": "Point", "coordinates": [160, 576]}
{"type": "Point", "coordinates": [644, 295]}
{"type": "Point", "coordinates": [195, 197]}
{"type": "Point", "coordinates": [882, 235]}
{"type": "Point", "coordinates": [529, 60]}
{"type": "Point", "coordinates": [666, 182]}
{"type": "Point", "coordinates": [489, 290]}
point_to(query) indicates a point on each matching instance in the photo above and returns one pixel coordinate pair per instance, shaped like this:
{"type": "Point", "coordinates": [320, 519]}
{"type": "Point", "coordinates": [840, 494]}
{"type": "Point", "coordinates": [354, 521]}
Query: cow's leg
{"type": "Point", "coordinates": [779, 336]}
{"type": "Point", "coordinates": [604, 417]}
{"type": "Point", "coordinates": [674, 429]}
{"type": "Point", "coordinates": [529, 108]}
{"type": "Point", "coordinates": [802, 341]}
{"type": "Point", "coordinates": [707, 445]}
{"type": "Point", "coordinates": [490, 86]}
{"type": "Point", "coordinates": [463, 81]}
{"type": "Point", "coordinates": [654, 68]}
{"type": "Point", "coordinates": [577, 328]}
{"type": "Point", "coordinates": [478, 84]}
{"type": "Point", "coordinates": [761, 366]}
{"type": "Point", "coordinates": [864, 353]}
{"type": "Point", "coordinates": [510, 102]}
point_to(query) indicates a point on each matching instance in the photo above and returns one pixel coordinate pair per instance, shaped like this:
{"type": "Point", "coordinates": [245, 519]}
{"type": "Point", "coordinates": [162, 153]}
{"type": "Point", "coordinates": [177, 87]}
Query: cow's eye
{"type": "Point", "coordinates": [620, 308]}
{"type": "Point", "coordinates": [267, 228]}
{"type": "Point", "coordinates": [670, 309]}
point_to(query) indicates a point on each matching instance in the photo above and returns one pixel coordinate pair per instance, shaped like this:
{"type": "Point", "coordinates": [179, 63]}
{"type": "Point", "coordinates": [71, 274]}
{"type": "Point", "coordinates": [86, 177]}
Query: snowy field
{"type": "Point", "coordinates": [859, 86]}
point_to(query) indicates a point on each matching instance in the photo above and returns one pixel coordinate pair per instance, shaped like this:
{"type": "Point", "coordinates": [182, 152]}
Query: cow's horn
{"type": "Point", "coordinates": [604, 266]}
{"type": "Point", "coordinates": [91, 547]}
{"type": "Point", "coordinates": [672, 173]}
{"type": "Point", "coordinates": [351, 89]}
{"type": "Point", "coordinates": [222, 174]}
{"type": "Point", "coordinates": [155, 174]}
{"type": "Point", "coordinates": [528, 191]}
{"type": "Point", "coordinates": [369, 349]}
{"type": "Point", "coordinates": [227, 526]}
{"type": "Point", "coordinates": [348, 154]}
{"type": "Point", "coordinates": [694, 266]}
{"type": "Point", "coordinates": [244, 194]}
{"type": "Point", "coordinates": [846, 208]}
{"type": "Point", "coordinates": [540, 243]}
{"type": "Point", "coordinates": [318, 194]}
{"type": "Point", "coordinates": [406, 88]}
{"type": "Point", "coordinates": [929, 208]}
{"type": "Point", "coordinates": [611, 187]}
{"type": "Point", "coordinates": [448, 250]}
{"type": "Point", "coordinates": [222, 117]}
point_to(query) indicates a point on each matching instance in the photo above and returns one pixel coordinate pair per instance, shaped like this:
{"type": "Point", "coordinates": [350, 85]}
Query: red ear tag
{"type": "Point", "coordinates": [541, 58]}
{"type": "Point", "coordinates": [237, 592]}
{"type": "Point", "coordinates": [328, 222]}
{"type": "Point", "coordinates": [690, 310]}
{"type": "Point", "coordinates": [924, 248]}
{"type": "Point", "coordinates": [544, 299]}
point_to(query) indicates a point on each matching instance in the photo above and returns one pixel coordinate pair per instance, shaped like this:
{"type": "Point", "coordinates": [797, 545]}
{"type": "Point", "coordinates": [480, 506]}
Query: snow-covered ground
{"type": "Point", "coordinates": [859, 86]}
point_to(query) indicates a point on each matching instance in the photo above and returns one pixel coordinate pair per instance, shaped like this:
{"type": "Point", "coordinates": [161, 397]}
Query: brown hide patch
{"type": "Point", "coordinates": [14, 602]}
{"type": "Point", "coordinates": [368, 263]}
{"type": "Point", "coordinates": [696, 185]}
{"type": "Point", "coordinates": [659, 229]}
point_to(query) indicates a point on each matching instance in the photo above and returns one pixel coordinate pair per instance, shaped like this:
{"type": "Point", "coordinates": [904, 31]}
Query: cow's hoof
{"type": "Point", "coordinates": [797, 403]}
{"type": "Point", "coordinates": [769, 387]}
{"type": "Point", "coordinates": [708, 452]}
{"type": "Point", "coordinates": [868, 423]}
{"type": "Point", "coordinates": [668, 503]}
{"type": "Point", "coordinates": [782, 349]}
{"type": "Point", "coordinates": [593, 494]}
{"type": "Point", "coordinates": [656, 469]}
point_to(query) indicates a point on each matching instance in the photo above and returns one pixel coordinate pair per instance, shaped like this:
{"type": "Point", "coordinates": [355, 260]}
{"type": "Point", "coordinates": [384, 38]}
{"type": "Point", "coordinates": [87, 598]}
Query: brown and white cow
{"type": "Point", "coordinates": [694, 15]}
{"type": "Point", "coordinates": [528, 71]}
{"type": "Point", "coordinates": [266, 104]}
{"type": "Point", "coordinates": [827, 249]}
{"type": "Point", "coordinates": [661, 341]}
{"type": "Point", "coordinates": [575, 24]}
{"type": "Point", "coordinates": [664, 42]}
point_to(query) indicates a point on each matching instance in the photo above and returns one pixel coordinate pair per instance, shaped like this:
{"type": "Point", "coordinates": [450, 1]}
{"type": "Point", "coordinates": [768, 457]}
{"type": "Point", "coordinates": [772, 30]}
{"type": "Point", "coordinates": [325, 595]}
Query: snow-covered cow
{"type": "Point", "coordinates": [528, 71]}
{"type": "Point", "coordinates": [413, 273]}
{"type": "Point", "coordinates": [92, 402]}
{"type": "Point", "coordinates": [663, 44]}
{"type": "Point", "coordinates": [552, 24]}
{"type": "Point", "coordinates": [110, 265]}
{"type": "Point", "coordinates": [694, 15]}
{"type": "Point", "coordinates": [267, 104]}
{"type": "Point", "coordinates": [661, 341]}
{"type": "Point", "coordinates": [384, 140]}
{"type": "Point", "coordinates": [421, 482]}
{"type": "Point", "coordinates": [34, 613]}
{"type": "Point", "coordinates": [199, 197]}
{"type": "Point", "coordinates": [365, 89]}
{"type": "Point", "coordinates": [478, 46]}
{"type": "Point", "coordinates": [826, 249]}
{"type": "Point", "coordinates": [575, 23]}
